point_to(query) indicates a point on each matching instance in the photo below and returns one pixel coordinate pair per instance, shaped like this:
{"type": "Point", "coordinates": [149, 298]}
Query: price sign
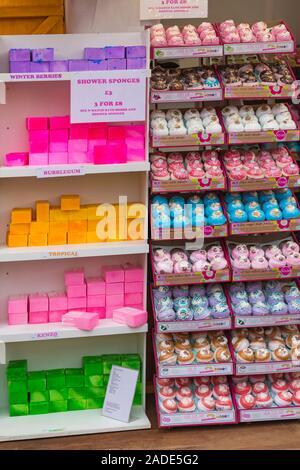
{"type": "Point", "coordinates": [171, 9]}
{"type": "Point", "coordinates": [109, 96]}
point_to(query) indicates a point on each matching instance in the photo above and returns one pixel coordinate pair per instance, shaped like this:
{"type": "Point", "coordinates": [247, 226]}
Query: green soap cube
{"type": "Point", "coordinates": [95, 392]}
{"type": "Point", "coordinates": [39, 396]}
{"type": "Point", "coordinates": [17, 392]}
{"type": "Point", "coordinates": [18, 410]}
{"type": "Point", "coordinates": [92, 365]}
{"type": "Point", "coordinates": [58, 395]}
{"type": "Point", "coordinates": [74, 378]}
{"type": "Point", "coordinates": [58, 406]}
{"type": "Point", "coordinates": [93, 381]}
{"type": "Point", "coordinates": [139, 388]}
{"type": "Point", "coordinates": [17, 369]}
{"type": "Point", "coordinates": [56, 379]}
{"type": "Point", "coordinates": [77, 393]}
{"type": "Point", "coordinates": [36, 381]}
{"type": "Point", "coordinates": [94, 403]}
{"type": "Point", "coordinates": [105, 380]}
{"type": "Point", "coordinates": [40, 408]}
{"type": "Point", "coordinates": [110, 360]}
{"type": "Point", "coordinates": [74, 405]}
{"type": "Point", "coordinates": [137, 400]}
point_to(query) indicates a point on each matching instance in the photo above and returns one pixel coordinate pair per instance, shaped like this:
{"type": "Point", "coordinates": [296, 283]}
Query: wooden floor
{"type": "Point", "coordinates": [266, 436]}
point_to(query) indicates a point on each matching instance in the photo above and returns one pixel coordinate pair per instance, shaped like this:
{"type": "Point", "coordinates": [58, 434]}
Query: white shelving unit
{"type": "Point", "coordinates": [27, 270]}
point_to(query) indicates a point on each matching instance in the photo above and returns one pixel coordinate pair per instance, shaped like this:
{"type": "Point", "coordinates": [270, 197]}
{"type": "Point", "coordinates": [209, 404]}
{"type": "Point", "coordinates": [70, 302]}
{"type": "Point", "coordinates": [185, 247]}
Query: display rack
{"type": "Point", "coordinates": [183, 100]}
{"type": "Point", "coordinates": [51, 345]}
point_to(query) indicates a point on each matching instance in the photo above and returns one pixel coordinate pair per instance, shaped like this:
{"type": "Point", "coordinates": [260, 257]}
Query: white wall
{"type": "Point", "coordinates": [123, 15]}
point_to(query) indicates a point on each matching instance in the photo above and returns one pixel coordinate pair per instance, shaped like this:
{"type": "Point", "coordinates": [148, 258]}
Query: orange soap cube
{"type": "Point", "coordinates": [14, 241]}
{"type": "Point", "coordinates": [70, 202]}
{"type": "Point", "coordinates": [60, 226]}
{"type": "Point", "coordinates": [91, 237]}
{"type": "Point", "coordinates": [42, 209]}
{"type": "Point", "coordinates": [21, 216]}
{"type": "Point", "coordinates": [38, 239]}
{"type": "Point", "coordinates": [91, 210]}
{"type": "Point", "coordinates": [57, 238]}
{"type": "Point", "coordinates": [76, 238]}
{"type": "Point", "coordinates": [92, 225]}
{"type": "Point", "coordinates": [19, 229]}
{"type": "Point", "coordinates": [136, 229]}
{"type": "Point", "coordinates": [39, 227]}
{"type": "Point", "coordinates": [77, 226]}
{"type": "Point", "coordinates": [82, 214]}
{"type": "Point", "coordinates": [56, 214]}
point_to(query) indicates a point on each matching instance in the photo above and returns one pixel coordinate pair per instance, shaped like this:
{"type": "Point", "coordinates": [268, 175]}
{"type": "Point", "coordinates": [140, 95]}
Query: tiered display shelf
{"type": "Point", "coordinates": [201, 140]}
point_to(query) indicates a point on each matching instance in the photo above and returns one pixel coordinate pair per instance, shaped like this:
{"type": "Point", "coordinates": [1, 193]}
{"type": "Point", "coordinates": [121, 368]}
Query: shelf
{"type": "Point", "coordinates": [191, 278]}
{"type": "Point", "coordinates": [196, 418]}
{"type": "Point", "coordinates": [269, 414]}
{"type": "Point", "coordinates": [71, 170]}
{"type": "Point", "coordinates": [254, 368]}
{"type": "Point", "coordinates": [194, 325]}
{"type": "Point", "coordinates": [187, 96]}
{"type": "Point", "coordinates": [73, 251]}
{"type": "Point", "coordinates": [70, 423]}
{"type": "Point", "coordinates": [194, 370]}
{"type": "Point", "coordinates": [191, 185]}
{"type": "Point", "coordinates": [250, 228]}
{"type": "Point", "coordinates": [50, 331]}
{"type": "Point", "coordinates": [263, 184]}
{"type": "Point", "coordinates": [186, 52]}
{"type": "Point", "coordinates": [199, 140]}
{"type": "Point", "coordinates": [265, 321]}
{"type": "Point", "coordinates": [272, 47]}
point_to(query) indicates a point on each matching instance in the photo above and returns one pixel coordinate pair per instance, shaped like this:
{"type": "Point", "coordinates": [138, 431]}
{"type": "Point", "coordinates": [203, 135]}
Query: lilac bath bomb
{"type": "Point", "coordinates": [181, 291]}
{"type": "Point", "coordinates": [280, 308]}
{"type": "Point", "coordinates": [197, 290]}
{"type": "Point", "coordinates": [220, 311]}
{"type": "Point", "coordinates": [166, 315]}
{"type": "Point", "coordinates": [161, 292]}
{"type": "Point", "coordinates": [256, 296]}
{"type": "Point", "coordinates": [201, 313]}
{"type": "Point", "coordinates": [274, 298]}
{"type": "Point", "coordinates": [293, 293]}
{"type": "Point", "coordinates": [260, 308]}
{"type": "Point", "coordinates": [242, 308]}
{"type": "Point", "coordinates": [294, 306]}
{"type": "Point", "coordinates": [253, 286]}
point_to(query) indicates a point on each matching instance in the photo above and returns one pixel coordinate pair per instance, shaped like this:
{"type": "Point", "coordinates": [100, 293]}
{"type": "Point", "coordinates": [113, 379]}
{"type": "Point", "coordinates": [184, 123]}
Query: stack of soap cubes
{"type": "Point", "coordinates": [55, 141]}
{"type": "Point", "coordinates": [70, 223]}
{"type": "Point", "coordinates": [53, 391]}
{"type": "Point", "coordinates": [120, 286]}
{"type": "Point", "coordinates": [94, 58]}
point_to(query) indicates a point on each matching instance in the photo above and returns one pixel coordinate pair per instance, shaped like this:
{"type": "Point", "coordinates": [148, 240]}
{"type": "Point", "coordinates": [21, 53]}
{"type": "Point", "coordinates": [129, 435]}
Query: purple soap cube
{"type": "Point", "coordinates": [94, 53]}
{"type": "Point", "coordinates": [59, 66]}
{"type": "Point", "coordinates": [115, 52]}
{"type": "Point", "coordinates": [78, 65]}
{"type": "Point", "coordinates": [116, 64]}
{"type": "Point", "coordinates": [135, 52]}
{"type": "Point", "coordinates": [39, 67]}
{"type": "Point", "coordinates": [19, 67]}
{"type": "Point", "coordinates": [43, 55]}
{"type": "Point", "coordinates": [19, 55]}
{"type": "Point", "coordinates": [136, 63]}
{"type": "Point", "coordinates": [97, 64]}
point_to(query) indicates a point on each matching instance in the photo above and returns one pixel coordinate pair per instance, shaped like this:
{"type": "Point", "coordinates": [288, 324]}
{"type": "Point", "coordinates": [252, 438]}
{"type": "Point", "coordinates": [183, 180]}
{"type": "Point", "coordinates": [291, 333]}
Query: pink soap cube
{"type": "Point", "coordinates": [78, 145]}
{"type": "Point", "coordinates": [38, 303]}
{"type": "Point", "coordinates": [57, 301]}
{"type": "Point", "coordinates": [58, 147]}
{"type": "Point", "coordinates": [36, 123]}
{"type": "Point", "coordinates": [138, 306]}
{"type": "Point", "coordinates": [110, 153]}
{"type": "Point", "coordinates": [39, 136]}
{"type": "Point", "coordinates": [116, 300]}
{"type": "Point", "coordinates": [96, 143]}
{"type": "Point", "coordinates": [59, 135]}
{"type": "Point", "coordinates": [135, 142]}
{"type": "Point", "coordinates": [16, 159]}
{"type": "Point", "coordinates": [76, 302]}
{"type": "Point", "coordinates": [78, 157]}
{"type": "Point", "coordinates": [38, 159]}
{"type": "Point", "coordinates": [74, 277]}
{"type": "Point", "coordinates": [82, 320]}
{"type": "Point", "coordinates": [116, 132]}
{"type": "Point", "coordinates": [36, 146]}
{"type": "Point", "coordinates": [76, 291]}
{"type": "Point", "coordinates": [133, 287]}
{"type": "Point", "coordinates": [130, 316]}
{"type": "Point", "coordinates": [59, 122]}
{"type": "Point", "coordinates": [101, 311]}
{"type": "Point", "coordinates": [133, 273]}
{"type": "Point", "coordinates": [135, 154]}
{"type": "Point", "coordinates": [113, 274]}
{"type": "Point", "coordinates": [18, 318]}
{"type": "Point", "coordinates": [115, 288]}
{"type": "Point", "coordinates": [56, 317]}
{"type": "Point", "coordinates": [95, 286]}
{"type": "Point", "coordinates": [132, 299]}
{"type": "Point", "coordinates": [90, 156]}
{"type": "Point", "coordinates": [17, 304]}
{"type": "Point", "coordinates": [109, 310]}
{"type": "Point", "coordinates": [97, 133]}
{"type": "Point", "coordinates": [58, 158]}
{"type": "Point", "coordinates": [135, 131]}
{"type": "Point", "coordinates": [96, 301]}
{"type": "Point", "coordinates": [38, 317]}
{"type": "Point", "coordinates": [80, 132]}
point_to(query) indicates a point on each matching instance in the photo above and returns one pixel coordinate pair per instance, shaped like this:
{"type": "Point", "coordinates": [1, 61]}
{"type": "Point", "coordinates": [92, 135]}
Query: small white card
{"type": "Point", "coordinates": [120, 393]}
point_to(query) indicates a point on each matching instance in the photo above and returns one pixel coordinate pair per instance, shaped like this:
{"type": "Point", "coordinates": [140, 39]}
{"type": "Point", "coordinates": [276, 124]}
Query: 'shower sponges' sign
{"type": "Point", "coordinates": [169, 9]}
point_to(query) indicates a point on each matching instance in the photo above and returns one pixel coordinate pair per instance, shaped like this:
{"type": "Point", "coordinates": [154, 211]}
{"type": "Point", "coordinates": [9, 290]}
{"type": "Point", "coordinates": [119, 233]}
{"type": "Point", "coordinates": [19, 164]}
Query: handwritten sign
{"type": "Point", "coordinates": [170, 9]}
{"type": "Point", "coordinates": [109, 96]}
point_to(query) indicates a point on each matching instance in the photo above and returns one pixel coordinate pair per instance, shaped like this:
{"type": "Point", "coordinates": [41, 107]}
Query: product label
{"type": "Point", "coordinates": [266, 368]}
{"type": "Point", "coordinates": [195, 369]}
{"type": "Point", "coordinates": [192, 278]}
{"type": "Point", "coordinates": [213, 417]}
{"type": "Point", "coordinates": [192, 184]}
{"type": "Point", "coordinates": [45, 335]}
{"type": "Point", "coordinates": [259, 91]}
{"type": "Point", "coordinates": [120, 393]}
{"type": "Point", "coordinates": [185, 52]}
{"type": "Point", "coordinates": [173, 327]}
{"type": "Point", "coordinates": [171, 9]}
{"type": "Point", "coordinates": [24, 77]}
{"type": "Point", "coordinates": [192, 95]}
{"type": "Point", "coordinates": [268, 320]}
{"type": "Point", "coordinates": [202, 139]}
{"type": "Point", "coordinates": [109, 96]}
{"type": "Point", "coordinates": [263, 137]}
{"type": "Point", "coordinates": [57, 171]}
{"type": "Point", "coordinates": [61, 254]}
{"type": "Point", "coordinates": [265, 226]}
{"type": "Point", "coordinates": [270, 414]}
{"type": "Point", "coordinates": [259, 48]}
